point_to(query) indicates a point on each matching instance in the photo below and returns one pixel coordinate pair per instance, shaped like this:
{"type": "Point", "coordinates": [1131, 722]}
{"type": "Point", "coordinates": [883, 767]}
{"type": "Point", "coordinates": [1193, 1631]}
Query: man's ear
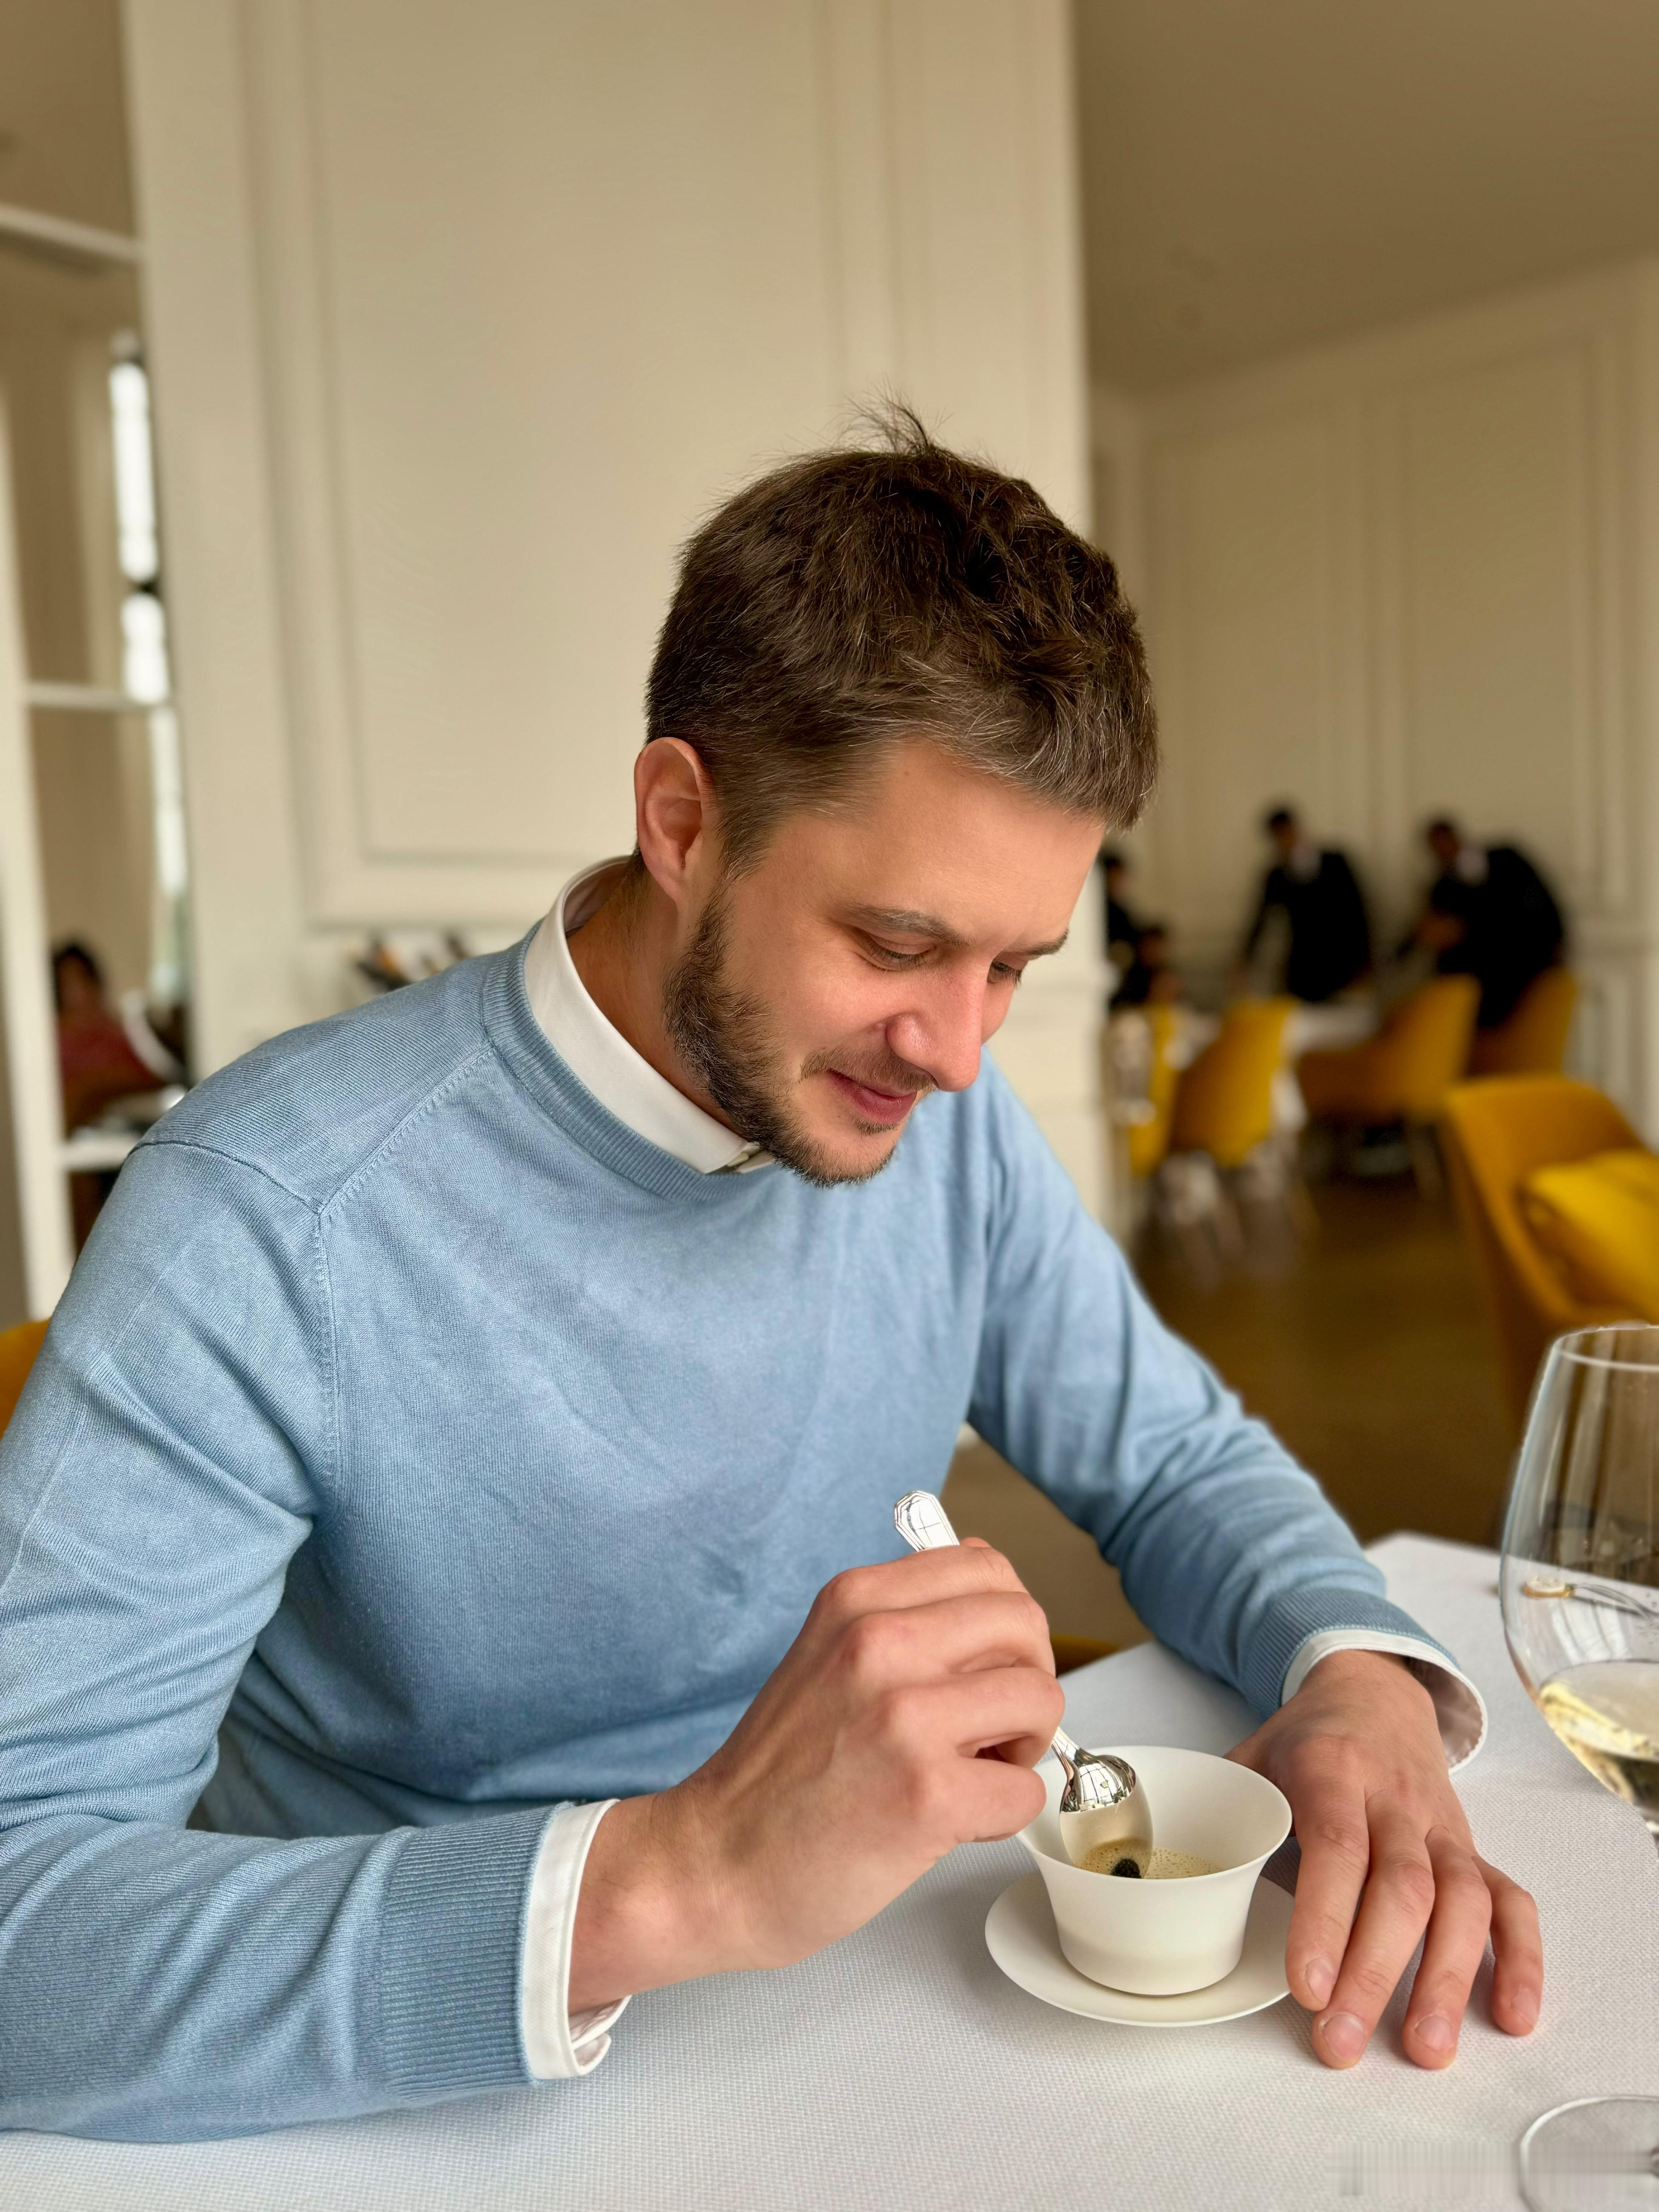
{"type": "Point", "coordinates": [674, 815]}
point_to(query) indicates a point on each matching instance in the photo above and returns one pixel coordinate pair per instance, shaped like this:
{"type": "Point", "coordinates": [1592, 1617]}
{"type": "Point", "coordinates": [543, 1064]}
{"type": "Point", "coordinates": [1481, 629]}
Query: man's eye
{"type": "Point", "coordinates": [890, 957]}
{"type": "Point", "coordinates": [1004, 973]}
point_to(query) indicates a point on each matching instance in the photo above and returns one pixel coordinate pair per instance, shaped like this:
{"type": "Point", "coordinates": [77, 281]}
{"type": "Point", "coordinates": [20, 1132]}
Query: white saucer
{"type": "Point", "coordinates": [1020, 1933]}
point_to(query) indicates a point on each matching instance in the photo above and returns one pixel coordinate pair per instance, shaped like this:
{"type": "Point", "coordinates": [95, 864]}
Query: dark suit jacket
{"type": "Point", "coordinates": [1330, 934]}
{"type": "Point", "coordinates": [1512, 929]}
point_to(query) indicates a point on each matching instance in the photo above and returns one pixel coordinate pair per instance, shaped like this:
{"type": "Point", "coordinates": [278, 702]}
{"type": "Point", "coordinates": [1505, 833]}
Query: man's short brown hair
{"type": "Point", "coordinates": [853, 597]}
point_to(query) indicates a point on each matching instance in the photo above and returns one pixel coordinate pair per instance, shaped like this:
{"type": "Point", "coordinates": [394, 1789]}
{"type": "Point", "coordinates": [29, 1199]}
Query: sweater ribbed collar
{"type": "Point", "coordinates": [511, 1028]}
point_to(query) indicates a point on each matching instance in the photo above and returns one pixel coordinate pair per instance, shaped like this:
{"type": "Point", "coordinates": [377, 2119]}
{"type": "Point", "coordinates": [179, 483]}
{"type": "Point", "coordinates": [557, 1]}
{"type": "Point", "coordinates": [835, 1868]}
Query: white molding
{"type": "Point", "coordinates": [1118, 518]}
{"type": "Point", "coordinates": [31, 1030]}
{"type": "Point", "coordinates": [1587, 871]}
{"type": "Point", "coordinates": [90, 699]}
{"type": "Point", "coordinates": [185, 68]}
{"type": "Point", "coordinates": [1487, 332]}
{"type": "Point", "coordinates": [56, 231]}
{"type": "Point", "coordinates": [854, 39]}
{"type": "Point", "coordinates": [1610, 430]}
{"type": "Point", "coordinates": [1602, 1048]}
{"type": "Point", "coordinates": [1640, 565]}
{"type": "Point", "coordinates": [1056, 344]}
{"type": "Point", "coordinates": [348, 878]}
{"type": "Point", "coordinates": [1311, 444]}
{"type": "Point", "coordinates": [973, 312]}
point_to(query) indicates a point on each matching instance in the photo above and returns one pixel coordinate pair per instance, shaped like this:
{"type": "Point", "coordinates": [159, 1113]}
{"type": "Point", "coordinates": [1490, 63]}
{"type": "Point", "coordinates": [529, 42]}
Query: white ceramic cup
{"type": "Point", "coordinates": [1161, 1938]}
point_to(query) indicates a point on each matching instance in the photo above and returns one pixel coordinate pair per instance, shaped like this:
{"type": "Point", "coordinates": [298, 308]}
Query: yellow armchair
{"type": "Point", "coordinates": [1533, 1040]}
{"type": "Point", "coordinates": [1223, 1102]}
{"type": "Point", "coordinates": [1149, 1141]}
{"type": "Point", "coordinates": [18, 1347]}
{"type": "Point", "coordinates": [1404, 1072]}
{"type": "Point", "coordinates": [1495, 1133]}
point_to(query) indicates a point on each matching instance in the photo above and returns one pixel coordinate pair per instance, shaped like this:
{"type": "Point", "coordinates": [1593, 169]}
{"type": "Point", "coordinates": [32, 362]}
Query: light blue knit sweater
{"type": "Point", "coordinates": [425, 1449]}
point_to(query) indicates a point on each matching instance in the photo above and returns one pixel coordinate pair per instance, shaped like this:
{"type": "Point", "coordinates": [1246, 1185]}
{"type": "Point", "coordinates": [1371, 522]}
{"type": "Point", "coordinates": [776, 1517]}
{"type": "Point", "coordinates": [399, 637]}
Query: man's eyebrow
{"type": "Point", "coordinates": [905, 921]}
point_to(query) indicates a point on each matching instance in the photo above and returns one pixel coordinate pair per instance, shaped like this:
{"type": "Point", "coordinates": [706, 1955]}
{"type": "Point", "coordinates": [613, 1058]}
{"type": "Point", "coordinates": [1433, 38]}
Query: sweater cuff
{"type": "Point", "coordinates": [1317, 1608]}
{"type": "Point", "coordinates": [452, 1936]}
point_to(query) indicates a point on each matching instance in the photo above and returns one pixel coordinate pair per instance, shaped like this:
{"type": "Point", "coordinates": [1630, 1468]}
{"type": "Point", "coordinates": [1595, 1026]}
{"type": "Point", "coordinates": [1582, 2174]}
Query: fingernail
{"type": "Point", "coordinates": [1343, 2036]}
{"type": "Point", "coordinates": [1524, 2005]}
{"type": "Point", "coordinates": [1321, 1978]}
{"type": "Point", "coordinates": [1435, 2033]}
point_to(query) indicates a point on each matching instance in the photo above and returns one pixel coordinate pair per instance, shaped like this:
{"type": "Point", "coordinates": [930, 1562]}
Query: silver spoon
{"type": "Point", "coordinates": [1105, 1822]}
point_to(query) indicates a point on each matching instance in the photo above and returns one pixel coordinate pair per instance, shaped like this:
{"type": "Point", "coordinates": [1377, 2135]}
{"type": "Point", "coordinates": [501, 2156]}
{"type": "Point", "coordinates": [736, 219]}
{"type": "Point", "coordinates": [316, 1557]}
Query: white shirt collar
{"type": "Point", "coordinates": [600, 1056]}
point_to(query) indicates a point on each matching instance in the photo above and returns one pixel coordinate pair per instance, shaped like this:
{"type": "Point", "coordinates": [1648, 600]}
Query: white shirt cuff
{"type": "Point", "coordinates": [1458, 1706]}
{"type": "Point", "coordinates": [557, 2042]}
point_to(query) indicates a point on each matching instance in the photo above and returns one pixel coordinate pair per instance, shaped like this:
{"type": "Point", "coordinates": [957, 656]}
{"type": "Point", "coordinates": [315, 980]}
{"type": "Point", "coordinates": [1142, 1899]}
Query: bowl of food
{"type": "Point", "coordinates": [1181, 1926]}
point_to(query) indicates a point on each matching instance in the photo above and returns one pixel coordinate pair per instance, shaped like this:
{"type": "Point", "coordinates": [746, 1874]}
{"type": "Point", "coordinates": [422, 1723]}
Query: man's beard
{"type": "Point", "coordinates": [726, 1039]}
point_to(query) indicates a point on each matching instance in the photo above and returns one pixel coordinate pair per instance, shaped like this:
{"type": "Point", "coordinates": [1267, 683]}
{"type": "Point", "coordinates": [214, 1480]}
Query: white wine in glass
{"type": "Point", "coordinates": [1606, 1713]}
{"type": "Point", "coordinates": [1580, 1584]}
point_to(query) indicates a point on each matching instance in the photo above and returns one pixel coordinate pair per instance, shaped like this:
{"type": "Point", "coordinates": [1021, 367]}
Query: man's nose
{"type": "Point", "coordinates": [943, 1033]}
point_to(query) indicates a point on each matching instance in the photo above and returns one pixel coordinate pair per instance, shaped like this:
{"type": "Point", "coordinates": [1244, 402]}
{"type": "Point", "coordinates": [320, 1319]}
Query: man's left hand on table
{"type": "Point", "coordinates": [1388, 1861]}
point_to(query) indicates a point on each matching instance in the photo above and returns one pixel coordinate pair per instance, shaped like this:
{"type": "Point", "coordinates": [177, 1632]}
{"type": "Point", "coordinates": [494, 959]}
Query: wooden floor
{"type": "Point", "coordinates": [1366, 1348]}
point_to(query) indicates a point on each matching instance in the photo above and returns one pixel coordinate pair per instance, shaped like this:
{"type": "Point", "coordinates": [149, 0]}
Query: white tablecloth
{"type": "Point", "coordinates": [900, 2070]}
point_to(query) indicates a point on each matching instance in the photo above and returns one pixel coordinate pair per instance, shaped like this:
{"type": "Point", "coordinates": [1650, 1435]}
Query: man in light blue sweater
{"type": "Point", "coordinates": [447, 1581]}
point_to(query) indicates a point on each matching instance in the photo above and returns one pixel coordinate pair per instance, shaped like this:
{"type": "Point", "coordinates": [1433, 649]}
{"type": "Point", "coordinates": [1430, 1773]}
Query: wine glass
{"type": "Point", "coordinates": [1580, 1585]}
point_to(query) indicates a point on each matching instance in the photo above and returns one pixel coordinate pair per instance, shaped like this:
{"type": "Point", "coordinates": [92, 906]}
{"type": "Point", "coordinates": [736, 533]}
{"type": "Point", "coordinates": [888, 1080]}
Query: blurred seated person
{"type": "Point", "coordinates": [97, 1062]}
{"type": "Point", "coordinates": [1315, 890]}
{"type": "Point", "coordinates": [1123, 930]}
{"type": "Point", "coordinates": [1489, 915]}
{"type": "Point", "coordinates": [104, 1057]}
{"type": "Point", "coordinates": [1148, 981]}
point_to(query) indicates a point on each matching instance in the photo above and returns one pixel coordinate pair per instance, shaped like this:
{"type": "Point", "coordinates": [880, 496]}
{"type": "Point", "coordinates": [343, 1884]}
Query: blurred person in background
{"type": "Point", "coordinates": [109, 1060]}
{"type": "Point", "coordinates": [1313, 892]}
{"type": "Point", "coordinates": [1489, 914]}
{"type": "Point", "coordinates": [97, 1062]}
{"type": "Point", "coordinates": [1149, 980]}
{"type": "Point", "coordinates": [1123, 930]}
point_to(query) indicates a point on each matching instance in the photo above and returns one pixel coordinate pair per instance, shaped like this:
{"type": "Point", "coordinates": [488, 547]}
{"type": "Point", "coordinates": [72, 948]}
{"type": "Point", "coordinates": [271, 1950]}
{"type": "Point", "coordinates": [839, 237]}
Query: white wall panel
{"type": "Point", "coordinates": [1246, 632]}
{"type": "Point", "coordinates": [1495, 550]}
{"type": "Point", "coordinates": [463, 315]}
{"type": "Point", "coordinates": [532, 306]}
{"type": "Point", "coordinates": [1404, 576]}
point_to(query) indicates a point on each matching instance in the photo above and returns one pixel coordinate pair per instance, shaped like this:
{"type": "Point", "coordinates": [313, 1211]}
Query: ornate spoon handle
{"type": "Point", "coordinates": [923, 1523]}
{"type": "Point", "coordinates": [926, 1527]}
